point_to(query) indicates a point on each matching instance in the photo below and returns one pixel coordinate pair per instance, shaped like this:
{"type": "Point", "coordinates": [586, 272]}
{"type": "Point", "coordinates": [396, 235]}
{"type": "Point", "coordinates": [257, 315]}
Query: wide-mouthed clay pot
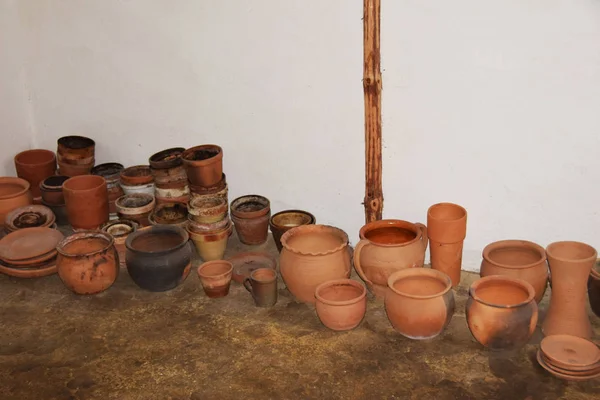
{"type": "Point", "coordinates": [158, 257]}
{"type": "Point", "coordinates": [283, 221]}
{"type": "Point", "coordinates": [207, 211]}
{"type": "Point", "coordinates": [136, 175]}
{"type": "Point", "coordinates": [88, 262]}
{"type": "Point", "coordinates": [388, 246]}
{"type": "Point", "coordinates": [76, 149]}
{"type": "Point", "coordinates": [419, 302]}
{"type": "Point", "coordinates": [34, 166]}
{"type": "Point", "coordinates": [86, 198]}
{"type": "Point", "coordinates": [215, 277]}
{"type": "Point", "coordinates": [594, 288]}
{"type": "Point", "coordinates": [14, 193]}
{"type": "Point", "coordinates": [29, 217]}
{"type": "Point", "coordinates": [51, 190]}
{"type": "Point", "coordinates": [111, 172]}
{"type": "Point", "coordinates": [203, 164]}
{"type": "Point", "coordinates": [166, 159]}
{"type": "Point", "coordinates": [341, 303]}
{"type": "Point", "coordinates": [311, 255]}
{"type": "Point", "coordinates": [120, 230]}
{"type": "Point", "coordinates": [519, 259]}
{"type": "Point", "coordinates": [250, 215]}
{"type": "Point", "coordinates": [211, 244]}
{"type": "Point", "coordinates": [135, 207]}
{"type": "Point", "coordinates": [501, 312]}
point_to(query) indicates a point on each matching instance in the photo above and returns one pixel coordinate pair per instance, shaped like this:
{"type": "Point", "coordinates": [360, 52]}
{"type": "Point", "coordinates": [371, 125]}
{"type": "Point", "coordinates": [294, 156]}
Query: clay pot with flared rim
{"type": "Point", "coordinates": [311, 255]}
{"type": "Point", "coordinates": [447, 229]}
{"type": "Point", "coordinates": [86, 199]}
{"type": "Point", "coordinates": [75, 148]}
{"type": "Point", "coordinates": [74, 170]}
{"type": "Point", "coordinates": [388, 246]}
{"type": "Point", "coordinates": [252, 231]}
{"type": "Point", "coordinates": [207, 211]}
{"type": "Point", "coordinates": [341, 304]}
{"type": "Point", "coordinates": [519, 259]}
{"type": "Point", "coordinates": [14, 193]}
{"type": "Point", "coordinates": [197, 227]}
{"type": "Point", "coordinates": [32, 216]}
{"type": "Point", "coordinates": [283, 221]}
{"type": "Point", "coordinates": [594, 288]}
{"type": "Point", "coordinates": [250, 206]}
{"type": "Point", "coordinates": [211, 245]}
{"type": "Point", "coordinates": [51, 190]}
{"type": "Point", "coordinates": [137, 175]}
{"type": "Point", "coordinates": [501, 312]}
{"type": "Point", "coordinates": [262, 285]}
{"type": "Point", "coordinates": [570, 265]}
{"type": "Point", "coordinates": [120, 230]}
{"type": "Point", "coordinates": [88, 262]}
{"type": "Point", "coordinates": [215, 277]}
{"type": "Point", "coordinates": [169, 214]}
{"type": "Point", "coordinates": [166, 159]}
{"type": "Point", "coordinates": [34, 166]}
{"type": "Point", "coordinates": [135, 207]}
{"type": "Point", "coordinates": [419, 302]}
{"type": "Point", "coordinates": [60, 213]}
{"type": "Point", "coordinates": [203, 164]}
{"type": "Point", "coordinates": [148, 188]}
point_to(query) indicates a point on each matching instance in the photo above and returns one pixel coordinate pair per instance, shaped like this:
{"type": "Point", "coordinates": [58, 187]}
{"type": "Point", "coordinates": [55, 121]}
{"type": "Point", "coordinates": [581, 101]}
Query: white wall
{"type": "Point", "coordinates": [493, 105]}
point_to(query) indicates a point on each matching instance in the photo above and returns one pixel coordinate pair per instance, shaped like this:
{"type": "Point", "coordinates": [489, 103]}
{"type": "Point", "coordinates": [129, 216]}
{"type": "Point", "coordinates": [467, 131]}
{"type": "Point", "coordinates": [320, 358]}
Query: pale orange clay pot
{"type": "Point", "coordinates": [14, 193]}
{"type": "Point", "coordinates": [34, 166]}
{"type": "Point", "coordinates": [341, 304]}
{"type": "Point", "coordinates": [388, 246]}
{"type": "Point", "coordinates": [211, 245]}
{"type": "Point", "coordinates": [216, 277]}
{"type": "Point", "coordinates": [86, 198]}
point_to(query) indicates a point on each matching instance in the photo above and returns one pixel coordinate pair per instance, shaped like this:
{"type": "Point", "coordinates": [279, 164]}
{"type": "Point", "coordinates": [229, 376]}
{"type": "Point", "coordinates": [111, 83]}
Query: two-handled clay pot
{"type": "Point", "coordinates": [388, 246]}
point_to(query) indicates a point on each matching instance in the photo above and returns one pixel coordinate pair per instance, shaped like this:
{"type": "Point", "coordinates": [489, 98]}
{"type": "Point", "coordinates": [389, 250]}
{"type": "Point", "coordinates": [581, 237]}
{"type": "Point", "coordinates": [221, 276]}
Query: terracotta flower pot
{"type": "Point", "coordinates": [88, 262]}
{"type": "Point", "coordinates": [120, 230]}
{"type": "Point", "coordinates": [51, 190]}
{"type": "Point", "coordinates": [594, 289]}
{"type": "Point", "coordinates": [501, 312]}
{"type": "Point", "coordinates": [169, 214]}
{"type": "Point", "coordinates": [216, 278]}
{"type": "Point", "coordinates": [172, 178]}
{"type": "Point", "coordinates": [74, 170]}
{"type": "Point", "coordinates": [341, 304]}
{"type": "Point", "coordinates": [32, 216]}
{"type": "Point", "coordinates": [207, 211]}
{"type": "Point", "coordinates": [211, 245]}
{"type": "Point", "coordinates": [86, 198]}
{"type": "Point", "coordinates": [283, 221]}
{"type": "Point", "coordinates": [34, 166]}
{"type": "Point", "coordinates": [136, 175]}
{"type": "Point", "coordinates": [196, 227]}
{"type": "Point", "coordinates": [111, 172]}
{"type": "Point", "coordinates": [419, 302]}
{"type": "Point", "coordinates": [218, 187]}
{"type": "Point", "coordinates": [158, 257]}
{"type": "Point", "coordinates": [203, 164]}
{"type": "Point", "coordinates": [167, 159]}
{"type": "Point", "coordinates": [517, 259]}
{"type": "Point", "coordinates": [76, 149]}
{"type": "Point", "coordinates": [388, 246]}
{"type": "Point", "coordinates": [14, 193]}
{"type": "Point", "coordinates": [447, 229]}
{"type": "Point", "coordinates": [250, 215]}
{"type": "Point", "coordinates": [311, 255]}
{"type": "Point", "coordinates": [135, 207]}
{"type": "Point", "coordinates": [570, 266]}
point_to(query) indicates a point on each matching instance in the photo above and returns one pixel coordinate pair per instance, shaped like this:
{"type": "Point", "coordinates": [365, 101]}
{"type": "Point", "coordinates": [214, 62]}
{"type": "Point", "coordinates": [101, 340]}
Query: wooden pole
{"type": "Point", "coordinates": [373, 201]}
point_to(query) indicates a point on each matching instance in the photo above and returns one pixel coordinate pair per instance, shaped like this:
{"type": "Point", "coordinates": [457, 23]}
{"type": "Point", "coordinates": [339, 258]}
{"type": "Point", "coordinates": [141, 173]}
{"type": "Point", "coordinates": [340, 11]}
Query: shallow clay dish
{"type": "Point", "coordinates": [29, 243]}
{"type": "Point", "coordinates": [566, 351]}
{"type": "Point", "coordinates": [29, 217]}
{"type": "Point", "coordinates": [46, 269]}
{"type": "Point", "coordinates": [29, 262]}
{"type": "Point", "coordinates": [563, 376]}
{"type": "Point", "coordinates": [591, 370]}
{"type": "Point", "coordinates": [245, 263]}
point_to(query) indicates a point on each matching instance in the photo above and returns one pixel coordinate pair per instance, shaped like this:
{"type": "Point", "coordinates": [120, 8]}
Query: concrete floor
{"type": "Point", "coordinates": [130, 344]}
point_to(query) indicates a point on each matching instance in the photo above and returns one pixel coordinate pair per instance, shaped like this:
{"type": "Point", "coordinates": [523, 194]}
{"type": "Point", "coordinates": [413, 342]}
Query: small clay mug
{"type": "Point", "coordinates": [262, 284]}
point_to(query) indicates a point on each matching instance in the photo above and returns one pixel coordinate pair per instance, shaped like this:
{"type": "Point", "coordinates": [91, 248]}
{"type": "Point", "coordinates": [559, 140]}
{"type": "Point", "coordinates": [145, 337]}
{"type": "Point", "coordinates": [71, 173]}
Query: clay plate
{"type": "Point", "coordinates": [245, 263]}
{"type": "Point", "coordinates": [28, 262]}
{"type": "Point", "coordinates": [563, 376]}
{"type": "Point", "coordinates": [46, 269]}
{"type": "Point", "coordinates": [29, 243]}
{"type": "Point", "coordinates": [566, 351]}
{"type": "Point", "coordinates": [592, 370]}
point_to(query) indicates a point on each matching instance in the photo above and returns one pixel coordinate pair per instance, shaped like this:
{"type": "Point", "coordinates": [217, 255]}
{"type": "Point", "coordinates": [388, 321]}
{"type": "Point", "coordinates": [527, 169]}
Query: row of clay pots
{"type": "Point", "coordinates": [14, 193]}
{"type": "Point", "coordinates": [250, 215]}
{"type": "Point", "coordinates": [75, 155]}
{"type": "Point", "coordinates": [34, 166]}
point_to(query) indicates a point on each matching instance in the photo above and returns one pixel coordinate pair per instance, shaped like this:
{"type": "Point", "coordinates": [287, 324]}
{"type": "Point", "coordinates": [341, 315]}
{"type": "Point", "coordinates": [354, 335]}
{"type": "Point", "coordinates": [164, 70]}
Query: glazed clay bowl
{"type": "Point", "coordinates": [283, 221]}
{"type": "Point", "coordinates": [501, 312]}
{"type": "Point", "coordinates": [51, 190]}
{"type": "Point", "coordinates": [120, 229]}
{"type": "Point", "coordinates": [136, 175]}
{"type": "Point", "coordinates": [14, 193]}
{"type": "Point", "coordinates": [135, 207]}
{"type": "Point", "coordinates": [209, 210]}
{"type": "Point", "coordinates": [86, 198]}
{"type": "Point", "coordinates": [250, 206]}
{"type": "Point", "coordinates": [29, 217]}
{"type": "Point", "coordinates": [216, 277]}
{"type": "Point", "coordinates": [73, 149]}
{"type": "Point", "coordinates": [167, 159]}
{"type": "Point", "coordinates": [203, 164]}
{"type": "Point", "coordinates": [419, 302]}
{"type": "Point", "coordinates": [341, 304]}
{"type": "Point", "coordinates": [170, 214]}
{"type": "Point", "coordinates": [34, 166]}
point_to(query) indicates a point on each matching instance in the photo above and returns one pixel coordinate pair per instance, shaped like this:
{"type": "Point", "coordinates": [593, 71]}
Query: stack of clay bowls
{"type": "Point", "coordinates": [250, 215]}
{"type": "Point", "coordinates": [209, 226]}
{"type": "Point", "coordinates": [75, 155]}
{"type": "Point", "coordinates": [569, 357]}
{"type": "Point", "coordinates": [169, 175]}
{"type": "Point", "coordinates": [29, 217]}
{"type": "Point", "coordinates": [136, 207]}
{"type": "Point", "coordinates": [34, 166]}
{"type": "Point", "coordinates": [14, 193]}
{"type": "Point", "coordinates": [204, 170]}
{"type": "Point", "coordinates": [137, 179]}
{"type": "Point", "coordinates": [53, 197]}
{"type": "Point", "coordinates": [111, 172]}
{"type": "Point", "coordinates": [29, 252]}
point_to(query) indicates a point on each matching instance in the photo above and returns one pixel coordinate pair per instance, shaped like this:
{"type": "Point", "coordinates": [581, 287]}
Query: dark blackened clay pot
{"type": "Point", "coordinates": [594, 288]}
{"type": "Point", "coordinates": [52, 191]}
{"type": "Point", "coordinates": [158, 257]}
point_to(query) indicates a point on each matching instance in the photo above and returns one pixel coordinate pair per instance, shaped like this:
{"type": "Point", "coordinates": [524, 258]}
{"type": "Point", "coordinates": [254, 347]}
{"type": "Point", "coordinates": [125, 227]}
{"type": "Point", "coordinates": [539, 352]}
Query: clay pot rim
{"type": "Point", "coordinates": [88, 142]}
{"type": "Point", "coordinates": [197, 210]}
{"type": "Point", "coordinates": [341, 282]}
{"type": "Point", "coordinates": [209, 227]}
{"type": "Point", "coordinates": [250, 214]}
{"type": "Point", "coordinates": [298, 230]}
{"type": "Point", "coordinates": [217, 157]}
{"type": "Point", "coordinates": [447, 205]}
{"type": "Point", "coordinates": [371, 226]}
{"type": "Point", "coordinates": [551, 246]}
{"type": "Point", "coordinates": [153, 229]}
{"type": "Point", "coordinates": [147, 207]}
{"type": "Point", "coordinates": [14, 180]}
{"type": "Point", "coordinates": [274, 216]}
{"type": "Point", "coordinates": [51, 159]}
{"type": "Point", "coordinates": [118, 167]}
{"type": "Point", "coordinates": [513, 243]}
{"type": "Point", "coordinates": [81, 235]}
{"type": "Point", "coordinates": [228, 229]}
{"type": "Point", "coordinates": [101, 181]}
{"type": "Point", "coordinates": [127, 222]}
{"type": "Point", "coordinates": [13, 214]}
{"type": "Point", "coordinates": [261, 269]}
{"type": "Point", "coordinates": [157, 160]}
{"type": "Point", "coordinates": [53, 188]}
{"type": "Point", "coordinates": [139, 179]}
{"type": "Point", "coordinates": [420, 272]}
{"type": "Point", "coordinates": [519, 282]}
{"type": "Point", "coordinates": [213, 262]}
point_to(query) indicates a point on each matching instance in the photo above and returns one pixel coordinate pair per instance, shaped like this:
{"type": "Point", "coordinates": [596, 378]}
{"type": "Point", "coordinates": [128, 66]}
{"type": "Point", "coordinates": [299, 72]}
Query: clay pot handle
{"type": "Point", "coordinates": [424, 236]}
{"type": "Point", "coordinates": [357, 266]}
{"type": "Point", "coordinates": [248, 285]}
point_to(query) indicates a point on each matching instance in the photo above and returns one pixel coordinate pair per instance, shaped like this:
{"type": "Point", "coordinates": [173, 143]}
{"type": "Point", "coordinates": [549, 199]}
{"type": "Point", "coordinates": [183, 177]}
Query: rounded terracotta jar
{"type": "Point", "coordinates": [388, 246]}
{"type": "Point", "coordinates": [166, 159]}
{"type": "Point", "coordinates": [501, 312]}
{"type": "Point", "coordinates": [86, 198]}
{"type": "Point", "coordinates": [14, 193]}
{"type": "Point", "coordinates": [283, 221]}
{"type": "Point", "coordinates": [341, 304]}
{"type": "Point", "coordinates": [312, 255]}
{"type": "Point", "coordinates": [419, 302]}
{"type": "Point", "coordinates": [203, 164]}
{"type": "Point", "coordinates": [120, 230]}
{"type": "Point", "coordinates": [88, 262]}
{"type": "Point", "coordinates": [518, 259]}
{"type": "Point", "coordinates": [34, 166]}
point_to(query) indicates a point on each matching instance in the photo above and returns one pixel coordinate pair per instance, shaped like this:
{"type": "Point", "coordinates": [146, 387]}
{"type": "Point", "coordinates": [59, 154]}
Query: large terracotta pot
{"type": "Point", "coordinates": [14, 193]}
{"type": "Point", "coordinates": [594, 288]}
{"type": "Point", "coordinates": [570, 266]}
{"type": "Point", "coordinates": [388, 246]}
{"type": "Point", "coordinates": [203, 164]}
{"type": "Point", "coordinates": [34, 166]}
{"type": "Point", "coordinates": [311, 255]}
{"type": "Point", "coordinates": [517, 259]}
{"type": "Point", "coordinates": [419, 302]}
{"type": "Point", "coordinates": [283, 221]}
{"type": "Point", "coordinates": [86, 198]}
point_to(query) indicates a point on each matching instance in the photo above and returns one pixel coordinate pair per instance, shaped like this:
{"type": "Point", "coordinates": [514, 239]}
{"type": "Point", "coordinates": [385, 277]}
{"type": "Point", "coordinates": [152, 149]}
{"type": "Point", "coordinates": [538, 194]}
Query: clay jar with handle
{"type": "Point", "coordinates": [519, 259]}
{"type": "Point", "coordinates": [447, 229]}
{"type": "Point", "coordinates": [341, 304]}
{"type": "Point", "coordinates": [388, 246]}
{"type": "Point", "coordinates": [594, 288]}
{"type": "Point", "coordinates": [570, 266]}
{"type": "Point", "coordinates": [311, 255]}
{"type": "Point", "coordinates": [262, 284]}
{"type": "Point", "coordinates": [250, 215]}
{"type": "Point", "coordinates": [14, 193]}
{"type": "Point", "coordinates": [86, 198]}
{"type": "Point", "coordinates": [34, 166]}
{"type": "Point", "coordinates": [203, 164]}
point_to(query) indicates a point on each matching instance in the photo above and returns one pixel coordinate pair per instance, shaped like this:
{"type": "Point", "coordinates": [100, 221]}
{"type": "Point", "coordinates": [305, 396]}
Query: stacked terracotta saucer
{"type": "Point", "coordinates": [569, 357]}
{"type": "Point", "coordinates": [29, 217]}
{"type": "Point", "coordinates": [29, 252]}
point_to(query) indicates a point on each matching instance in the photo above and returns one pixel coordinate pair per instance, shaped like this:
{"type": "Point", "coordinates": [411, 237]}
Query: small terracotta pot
{"type": "Point", "coordinates": [447, 229]}
{"type": "Point", "coordinates": [86, 198]}
{"type": "Point", "coordinates": [341, 304]}
{"type": "Point", "coordinates": [197, 227]}
{"type": "Point", "coordinates": [29, 217]}
{"type": "Point", "coordinates": [250, 206]}
{"type": "Point", "coordinates": [419, 302]}
{"type": "Point", "coordinates": [74, 149]}
{"type": "Point", "coordinates": [216, 278]}
{"type": "Point", "coordinates": [211, 245]}
{"type": "Point", "coordinates": [283, 221]}
{"type": "Point", "coordinates": [203, 164]}
{"type": "Point", "coordinates": [34, 166]}
{"type": "Point", "coordinates": [51, 190]}
{"type": "Point", "coordinates": [111, 172]}
{"type": "Point", "coordinates": [148, 188]}
{"type": "Point", "coordinates": [501, 312]}
{"type": "Point", "coordinates": [60, 213]}
{"type": "Point", "coordinates": [207, 211]}
{"type": "Point", "coordinates": [262, 285]}
{"type": "Point", "coordinates": [14, 193]}
{"type": "Point", "coordinates": [594, 288]}
{"type": "Point", "coordinates": [74, 170]}
{"type": "Point", "coordinates": [169, 214]}
{"type": "Point", "coordinates": [136, 175]}
{"type": "Point", "coordinates": [88, 262]}
{"type": "Point", "coordinates": [120, 230]}
{"type": "Point", "coordinates": [135, 207]}
{"type": "Point", "coordinates": [250, 215]}
{"type": "Point", "coordinates": [166, 159]}
{"type": "Point", "coordinates": [209, 190]}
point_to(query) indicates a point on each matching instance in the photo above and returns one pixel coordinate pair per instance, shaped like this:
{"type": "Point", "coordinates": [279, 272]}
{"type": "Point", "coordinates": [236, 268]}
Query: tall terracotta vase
{"type": "Point", "coordinates": [570, 266]}
{"type": "Point", "coordinates": [86, 198]}
{"type": "Point", "coordinates": [447, 229]}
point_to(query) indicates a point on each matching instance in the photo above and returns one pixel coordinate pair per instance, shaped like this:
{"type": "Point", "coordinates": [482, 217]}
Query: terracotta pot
{"type": "Point", "coordinates": [419, 302]}
{"type": "Point", "coordinates": [88, 262]}
{"type": "Point", "coordinates": [197, 227]}
{"type": "Point", "coordinates": [120, 230]}
{"type": "Point", "coordinates": [388, 246]}
{"type": "Point", "coordinates": [311, 255]}
{"type": "Point", "coordinates": [594, 289]}
{"type": "Point", "coordinates": [34, 166]}
{"type": "Point", "coordinates": [172, 193]}
{"type": "Point", "coordinates": [76, 149]}
{"type": "Point", "coordinates": [14, 193]}
{"type": "Point", "coordinates": [570, 266]}
{"type": "Point", "coordinates": [60, 213]}
{"type": "Point", "coordinates": [447, 229]}
{"type": "Point", "coordinates": [86, 198]}
{"type": "Point", "coordinates": [209, 190]}
{"type": "Point", "coordinates": [172, 178]}
{"type": "Point", "coordinates": [501, 312]}
{"type": "Point", "coordinates": [158, 257]}
{"type": "Point", "coordinates": [203, 164]}
{"type": "Point", "coordinates": [29, 217]}
{"type": "Point", "coordinates": [111, 172]}
{"type": "Point", "coordinates": [136, 175]}
{"type": "Point", "coordinates": [51, 190]}
{"type": "Point", "coordinates": [341, 304]}
{"type": "Point", "coordinates": [148, 188]}
{"type": "Point", "coordinates": [216, 278]}
{"type": "Point", "coordinates": [283, 221]}
{"type": "Point", "coordinates": [207, 211]}
{"type": "Point", "coordinates": [250, 206]}
{"type": "Point", "coordinates": [517, 259]}
{"type": "Point", "coordinates": [250, 215]}
{"type": "Point", "coordinates": [74, 170]}
{"type": "Point", "coordinates": [166, 159]}
{"type": "Point", "coordinates": [135, 207]}
{"type": "Point", "coordinates": [169, 214]}
{"type": "Point", "coordinates": [262, 285]}
{"type": "Point", "coordinates": [211, 245]}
